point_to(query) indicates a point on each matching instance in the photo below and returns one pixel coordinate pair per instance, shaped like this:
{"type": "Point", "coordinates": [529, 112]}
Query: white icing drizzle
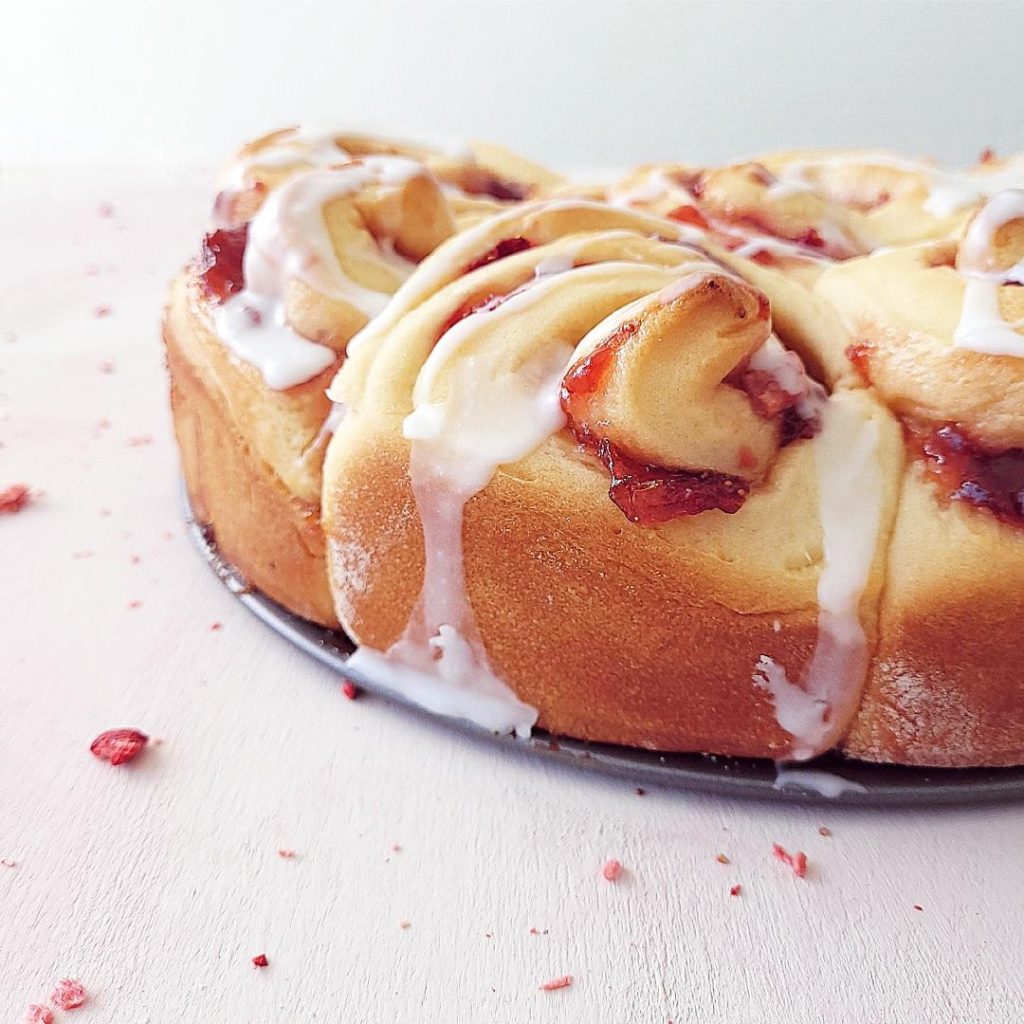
{"type": "Point", "coordinates": [780, 247]}
{"type": "Point", "coordinates": [850, 486]}
{"type": "Point", "coordinates": [825, 784]}
{"type": "Point", "coordinates": [788, 370]}
{"type": "Point", "coordinates": [315, 147]}
{"type": "Point", "coordinates": [982, 327]}
{"type": "Point", "coordinates": [288, 239]}
{"type": "Point", "coordinates": [948, 191]}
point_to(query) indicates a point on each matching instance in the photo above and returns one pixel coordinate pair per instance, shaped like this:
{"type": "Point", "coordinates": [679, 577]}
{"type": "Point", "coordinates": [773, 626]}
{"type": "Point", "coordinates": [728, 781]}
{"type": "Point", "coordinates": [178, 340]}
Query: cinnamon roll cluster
{"type": "Point", "coordinates": [716, 459]}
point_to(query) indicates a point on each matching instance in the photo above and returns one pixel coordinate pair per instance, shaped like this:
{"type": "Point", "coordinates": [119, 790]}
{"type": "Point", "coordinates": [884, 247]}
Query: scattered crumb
{"type": "Point", "coordinates": [136, 603]}
{"type": "Point", "coordinates": [556, 983]}
{"type": "Point", "coordinates": [797, 861]}
{"type": "Point", "coordinates": [988, 154]}
{"type": "Point", "coordinates": [640, 791]}
{"type": "Point", "coordinates": [69, 994]}
{"type": "Point", "coordinates": [37, 1014]}
{"type": "Point", "coordinates": [105, 210]}
{"type": "Point", "coordinates": [917, 906]}
{"type": "Point", "coordinates": [139, 442]}
{"type": "Point", "coordinates": [286, 854]}
{"type": "Point", "coordinates": [119, 746]}
{"type": "Point", "coordinates": [5, 863]}
{"type": "Point", "coordinates": [825, 831]}
{"type": "Point", "coordinates": [261, 960]}
{"type": "Point", "coordinates": [404, 924]}
{"type": "Point", "coordinates": [214, 626]}
{"type": "Point", "coordinates": [721, 858]}
{"type": "Point", "coordinates": [14, 499]}
{"type": "Point", "coordinates": [535, 931]}
{"type": "Point", "coordinates": [350, 690]}
{"type": "Point", "coordinates": [612, 870]}
{"type": "Point", "coordinates": [396, 848]}
{"type": "Point", "coordinates": [102, 311]}
{"type": "Point", "coordinates": [735, 890]}
{"type": "Point", "coordinates": [135, 559]}
{"type": "Point", "coordinates": [488, 935]}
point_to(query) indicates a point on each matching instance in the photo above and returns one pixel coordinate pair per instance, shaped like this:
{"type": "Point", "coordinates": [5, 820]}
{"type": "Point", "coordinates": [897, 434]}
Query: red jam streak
{"type": "Point", "coordinates": [652, 494]}
{"type": "Point", "coordinates": [482, 184]}
{"type": "Point", "coordinates": [220, 262]}
{"type": "Point", "coordinates": [482, 305]}
{"type": "Point", "coordinates": [966, 473]}
{"type": "Point", "coordinates": [506, 247]}
{"type": "Point", "coordinates": [644, 494]}
{"type": "Point", "coordinates": [860, 356]}
{"type": "Point", "coordinates": [689, 215]}
{"type": "Point", "coordinates": [771, 402]}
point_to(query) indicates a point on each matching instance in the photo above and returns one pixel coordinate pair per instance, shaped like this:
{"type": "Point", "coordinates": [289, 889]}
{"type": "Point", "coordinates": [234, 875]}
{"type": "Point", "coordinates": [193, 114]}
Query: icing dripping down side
{"type": "Point", "coordinates": [496, 411]}
{"type": "Point", "coordinates": [825, 784]}
{"type": "Point", "coordinates": [850, 485]}
{"type": "Point", "coordinates": [982, 327]}
{"type": "Point", "coordinates": [288, 239]}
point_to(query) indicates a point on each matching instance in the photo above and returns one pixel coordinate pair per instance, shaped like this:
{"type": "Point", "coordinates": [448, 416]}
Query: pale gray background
{"type": "Point", "coordinates": [577, 84]}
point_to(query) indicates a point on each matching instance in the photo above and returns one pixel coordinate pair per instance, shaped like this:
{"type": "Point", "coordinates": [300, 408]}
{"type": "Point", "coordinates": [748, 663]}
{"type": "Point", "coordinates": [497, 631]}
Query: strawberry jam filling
{"type": "Point", "coordinates": [220, 262]}
{"type": "Point", "coordinates": [506, 247]}
{"type": "Point", "coordinates": [645, 494]}
{"type": "Point", "coordinates": [468, 308]}
{"type": "Point", "coordinates": [772, 402]}
{"type": "Point", "coordinates": [653, 494]}
{"type": "Point", "coordinates": [965, 472]}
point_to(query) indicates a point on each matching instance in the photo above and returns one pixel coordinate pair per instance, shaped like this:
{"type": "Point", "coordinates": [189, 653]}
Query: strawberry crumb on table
{"type": "Point", "coordinates": [612, 870]}
{"type": "Point", "coordinates": [556, 983]}
{"type": "Point", "coordinates": [797, 861]}
{"type": "Point", "coordinates": [37, 1014]}
{"type": "Point", "coordinates": [14, 498]}
{"type": "Point", "coordinates": [119, 746]}
{"type": "Point", "coordinates": [260, 960]}
{"type": "Point", "coordinates": [69, 994]}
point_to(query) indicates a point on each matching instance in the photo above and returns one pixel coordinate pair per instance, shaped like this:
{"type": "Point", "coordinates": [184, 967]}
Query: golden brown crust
{"type": "Point", "coordinates": [946, 686]}
{"type": "Point", "coordinates": [271, 535]}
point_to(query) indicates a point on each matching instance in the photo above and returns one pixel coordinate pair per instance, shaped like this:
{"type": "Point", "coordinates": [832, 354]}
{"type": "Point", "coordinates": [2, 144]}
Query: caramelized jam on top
{"type": "Point", "coordinates": [506, 247]}
{"type": "Point", "coordinates": [645, 494]}
{"type": "Point", "coordinates": [220, 262]}
{"type": "Point", "coordinates": [966, 472]}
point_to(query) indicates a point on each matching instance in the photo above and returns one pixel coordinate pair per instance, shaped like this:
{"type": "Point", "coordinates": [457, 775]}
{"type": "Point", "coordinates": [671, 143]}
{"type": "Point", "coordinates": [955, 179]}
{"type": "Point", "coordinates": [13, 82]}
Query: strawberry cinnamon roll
{"type": "Point", "coordinates": [583, 483]}
{"type": "Point", "coordinates": [313, 233]}
{"type": "Point", "coordinates": [939, 333]}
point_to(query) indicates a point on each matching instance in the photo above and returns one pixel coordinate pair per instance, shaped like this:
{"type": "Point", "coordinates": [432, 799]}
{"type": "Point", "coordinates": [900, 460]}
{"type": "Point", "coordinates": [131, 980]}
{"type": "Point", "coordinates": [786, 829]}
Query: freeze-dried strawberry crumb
{"type": "Point", "coordinates": [404, 924]}
{"type": "Point", "coordinates": [917, 906]}
{"type": "Point", "coordinates": [261, 960]}
{"type": "Point", "coordinates": [135, 603]}
{"type": "Point", "coordinates": [556, 983]}
{"type": "Point", "coordinates": [537, 931]}
{"type": "Point", "coordinates": [102, 311]}
{"type": "Point", "coordinates": [107, 366]}
{"type": "Point", "coordinates": [105, 210]}
{"type": "Point", "coordinates": [214, 626]}
{"type": "Point", "coordinates": [14, 499]}
{"type": "Point", "coordinates": [735, 890]}
{"type": "Point", "coordinates": [286, 854]}
{"type": "Point", "coordinates": [69, 994]}
{"type": "Point", "coordinates": [37, 1014]}
{"type": "Point", "coordinates": [825, 831]}
{"type": "Point", "coordinates": [5, 863]}
{"type": "Point", "coordinates": [797, 861]}
{"type": "Point", "coordinates": [119, 746]}
{"type": "Point", "coordinates": [612, 870]}
{"type": "Point", "coordinates": [350, 690]}
{"type": "Point", "coordinates": [988, 154]}
{"type": "Point", "coordinates": [721, 858]}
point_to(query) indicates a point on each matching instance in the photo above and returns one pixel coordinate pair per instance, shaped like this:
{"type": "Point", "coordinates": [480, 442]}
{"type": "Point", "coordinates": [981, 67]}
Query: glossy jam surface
{"type": "Point", "coordinates": [220, 262]}
{"type": "Point", "coordinates": [653, 494]}
{"type": "Point", "coordinates": [967, 473]}
{"type": "Point", "coordinates": [506, 247]}
{"type": "Point", "coordinates": [770, 401]}
{"type": "Point", "coordinates": [645, 494]}
{"type": "Point", "coordinates": [483, 184]}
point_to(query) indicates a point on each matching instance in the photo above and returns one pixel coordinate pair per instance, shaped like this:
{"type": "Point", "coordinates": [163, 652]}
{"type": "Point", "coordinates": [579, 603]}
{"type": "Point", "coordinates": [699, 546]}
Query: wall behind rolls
{"type": "Point", "coordinates": [575, 84]}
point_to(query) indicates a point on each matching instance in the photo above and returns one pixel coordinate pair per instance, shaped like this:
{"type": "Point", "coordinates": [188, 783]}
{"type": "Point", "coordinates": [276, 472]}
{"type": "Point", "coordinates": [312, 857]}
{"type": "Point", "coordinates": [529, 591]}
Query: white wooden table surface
{"type": "Point", "coordinates": [156, 884]}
